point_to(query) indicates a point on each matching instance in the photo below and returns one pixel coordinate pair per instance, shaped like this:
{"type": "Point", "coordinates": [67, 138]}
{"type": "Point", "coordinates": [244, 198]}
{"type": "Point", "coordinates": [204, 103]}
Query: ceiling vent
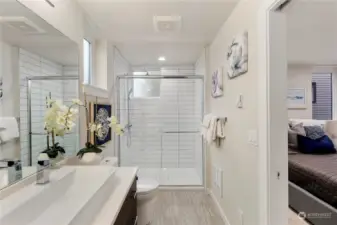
{"type": "Point", "coordinates": [167, 23]}
{"type": "Point", "coordinates": [21, 24]}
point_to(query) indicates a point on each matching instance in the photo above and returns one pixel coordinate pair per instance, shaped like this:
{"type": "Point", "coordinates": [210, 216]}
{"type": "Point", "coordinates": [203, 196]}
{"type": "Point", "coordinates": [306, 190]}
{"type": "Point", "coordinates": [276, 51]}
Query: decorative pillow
{"type": "Point", "coordinates": [293, 131]}
{"type": "Point", "coordinates": [321, 145]}
{"type": "Point", "coordinates": [314, 132]}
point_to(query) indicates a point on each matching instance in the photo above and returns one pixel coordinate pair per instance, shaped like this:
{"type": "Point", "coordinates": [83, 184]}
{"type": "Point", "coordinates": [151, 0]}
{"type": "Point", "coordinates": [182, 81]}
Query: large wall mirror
{"type": "Point", "coordinates": [37, 62]}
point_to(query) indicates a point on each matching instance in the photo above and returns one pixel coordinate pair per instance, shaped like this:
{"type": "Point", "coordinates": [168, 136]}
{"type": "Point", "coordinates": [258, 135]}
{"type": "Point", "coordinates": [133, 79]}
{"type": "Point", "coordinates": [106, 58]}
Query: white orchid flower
{"type": "Point", "coordinates": [112, 120]}
{"type": "Point", "coordinates": [99, 133]}
{"type": "Point", "coordinates": [59, 118]}
{"type": "Point", "coordinates": [50, 101]}
{"type": "Point", "coordinates": [98, 127]}
{"type": "Point", "coordinates": [77, 102]}
{"type": "Point", "coordinates": [92, 127]}
{"type": "Point", "coordinates": [118, 129]}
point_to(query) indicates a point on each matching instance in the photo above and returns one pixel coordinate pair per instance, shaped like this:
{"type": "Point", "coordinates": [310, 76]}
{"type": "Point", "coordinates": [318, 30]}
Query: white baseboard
{"type": "Point", "coordinates": [222, 213]}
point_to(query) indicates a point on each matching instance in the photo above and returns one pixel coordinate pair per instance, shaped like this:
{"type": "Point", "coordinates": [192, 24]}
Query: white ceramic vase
{"type": "Point", "coordinates": [91, 158]}
{"type": "Point", "coordinates": [55, 161]}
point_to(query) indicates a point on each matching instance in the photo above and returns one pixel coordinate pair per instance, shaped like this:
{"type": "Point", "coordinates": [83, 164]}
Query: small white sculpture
{"type": "Point", "coordinates": [237, 56]}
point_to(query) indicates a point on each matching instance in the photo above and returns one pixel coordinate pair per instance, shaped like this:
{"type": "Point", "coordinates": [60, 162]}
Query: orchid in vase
{"type": "Point", "coordinates": [60, 119]}
{"type": "Point", "coordinates": [97, 129]}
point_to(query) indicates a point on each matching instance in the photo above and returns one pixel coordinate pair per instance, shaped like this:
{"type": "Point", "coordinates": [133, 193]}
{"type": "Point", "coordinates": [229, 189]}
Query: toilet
{"type": "Point", "coordinates": [147, 190]}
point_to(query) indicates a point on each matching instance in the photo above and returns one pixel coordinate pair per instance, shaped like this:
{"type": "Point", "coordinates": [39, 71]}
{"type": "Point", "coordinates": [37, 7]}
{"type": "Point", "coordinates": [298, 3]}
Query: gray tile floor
{"type": "Point", "coordinates": [194, 208]}
{"type": "Point", "coordinates": [186, 208]}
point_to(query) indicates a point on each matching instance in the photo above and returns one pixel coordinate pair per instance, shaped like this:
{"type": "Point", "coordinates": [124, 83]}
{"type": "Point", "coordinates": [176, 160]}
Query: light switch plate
{"type": "Point", "coordinates": [253, 137]}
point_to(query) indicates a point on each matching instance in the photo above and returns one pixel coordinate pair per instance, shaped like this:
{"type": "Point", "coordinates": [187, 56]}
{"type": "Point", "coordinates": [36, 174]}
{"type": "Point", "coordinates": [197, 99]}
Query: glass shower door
{"type": "Point", "coordinates": [164, 140]}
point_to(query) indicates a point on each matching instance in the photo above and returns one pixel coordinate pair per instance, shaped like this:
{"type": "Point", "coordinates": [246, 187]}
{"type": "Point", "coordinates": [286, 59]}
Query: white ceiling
{"type": "Point", "coordinates": [312, 32]}
{"type": "Point", "coordinates": [129, 24]}
{"type": "Point", "coordinates": [51, 44]}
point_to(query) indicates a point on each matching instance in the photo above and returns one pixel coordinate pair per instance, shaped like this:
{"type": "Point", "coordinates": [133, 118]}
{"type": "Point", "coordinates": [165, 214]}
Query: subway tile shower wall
{"type": "Point", "coordinates": [32, 65]}
{"type": "Point", "coordinates": [165, 129]}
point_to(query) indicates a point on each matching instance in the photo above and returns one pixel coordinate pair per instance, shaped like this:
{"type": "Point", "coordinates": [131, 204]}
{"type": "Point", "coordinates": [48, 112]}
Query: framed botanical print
{"type": "Point", "coordinates": [99, 113]}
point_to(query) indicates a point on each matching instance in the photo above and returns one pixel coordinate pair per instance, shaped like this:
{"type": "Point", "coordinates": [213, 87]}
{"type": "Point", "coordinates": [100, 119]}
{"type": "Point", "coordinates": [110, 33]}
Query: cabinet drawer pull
{"type": "Point", "coordinates": [136, 220]}
{"type": "Point", "coordinates": [135, 195]}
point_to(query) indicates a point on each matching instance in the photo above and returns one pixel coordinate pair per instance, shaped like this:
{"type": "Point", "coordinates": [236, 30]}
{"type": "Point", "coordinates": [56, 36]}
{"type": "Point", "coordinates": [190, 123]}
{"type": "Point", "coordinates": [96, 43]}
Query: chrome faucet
{"type": "Point", "coordinates": [14, 169]}
{"type": "Point", "coordinates": [43, 170]}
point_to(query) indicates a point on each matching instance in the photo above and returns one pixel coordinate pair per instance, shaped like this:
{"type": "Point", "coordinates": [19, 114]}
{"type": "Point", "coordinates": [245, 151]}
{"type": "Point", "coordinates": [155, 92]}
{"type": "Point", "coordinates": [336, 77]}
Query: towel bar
{"type": "Point", "coordinates": [181, 132]}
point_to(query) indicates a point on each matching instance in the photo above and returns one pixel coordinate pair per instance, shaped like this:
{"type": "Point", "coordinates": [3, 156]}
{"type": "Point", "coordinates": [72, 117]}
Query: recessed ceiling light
{"type": "Point", "coordinates": [162, 58]}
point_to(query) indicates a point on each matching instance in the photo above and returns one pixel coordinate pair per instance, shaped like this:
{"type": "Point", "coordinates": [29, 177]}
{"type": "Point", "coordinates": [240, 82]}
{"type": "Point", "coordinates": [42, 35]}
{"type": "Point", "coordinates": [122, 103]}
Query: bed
{"type": "Point", "coordinates": [316, 174]}
{"type": "Point", "coordinates": [313, 187]}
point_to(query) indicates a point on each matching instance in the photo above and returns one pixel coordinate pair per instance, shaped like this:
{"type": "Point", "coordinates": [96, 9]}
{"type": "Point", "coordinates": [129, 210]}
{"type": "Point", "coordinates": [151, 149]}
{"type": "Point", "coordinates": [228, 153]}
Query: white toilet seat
{"type": "Point", "coordinates": [146, 186]}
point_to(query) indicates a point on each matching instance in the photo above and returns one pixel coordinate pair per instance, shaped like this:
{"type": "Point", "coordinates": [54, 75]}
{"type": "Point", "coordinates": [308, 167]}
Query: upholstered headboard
{"type": "Point", "coordinates": [308, 122]}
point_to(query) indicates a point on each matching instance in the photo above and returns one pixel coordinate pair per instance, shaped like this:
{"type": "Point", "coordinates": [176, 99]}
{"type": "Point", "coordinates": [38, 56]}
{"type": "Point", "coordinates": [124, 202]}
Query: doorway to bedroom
{"type": "Point", "coordinates": [306, 95]}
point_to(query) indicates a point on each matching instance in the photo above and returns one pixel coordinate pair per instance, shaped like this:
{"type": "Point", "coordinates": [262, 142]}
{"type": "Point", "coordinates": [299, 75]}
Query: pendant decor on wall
{"type": "Point", "coordinates": [237, 56]}
{"type": "Point", "coordinates": [100, 113]}
{"type": "Point", "coordinates": [217, 83]}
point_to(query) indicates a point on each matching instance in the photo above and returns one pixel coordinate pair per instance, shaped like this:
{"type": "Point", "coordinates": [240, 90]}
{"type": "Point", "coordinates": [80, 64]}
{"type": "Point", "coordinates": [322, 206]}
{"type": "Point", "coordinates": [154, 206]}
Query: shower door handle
{"type": "Point", "coordinates": [174, 132]}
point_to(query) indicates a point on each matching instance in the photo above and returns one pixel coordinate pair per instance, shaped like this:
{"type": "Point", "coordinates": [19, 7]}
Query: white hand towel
{"type": "Point", "coordinates": [213, 127]}
{"type": "Point", "coordinates": [220, 129]}
{"type": "Point", "coordinates": [11, 129]}
{"type": "Point", "coordinates": [205, 125]}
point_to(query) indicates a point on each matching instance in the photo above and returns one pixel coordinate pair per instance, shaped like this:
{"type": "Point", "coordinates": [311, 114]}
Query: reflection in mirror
{"type": "Point", "coordinates": [36, 62]}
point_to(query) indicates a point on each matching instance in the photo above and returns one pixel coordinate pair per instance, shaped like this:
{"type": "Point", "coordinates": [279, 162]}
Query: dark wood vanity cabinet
{"type": "Point", "coordinates": [128, 212]}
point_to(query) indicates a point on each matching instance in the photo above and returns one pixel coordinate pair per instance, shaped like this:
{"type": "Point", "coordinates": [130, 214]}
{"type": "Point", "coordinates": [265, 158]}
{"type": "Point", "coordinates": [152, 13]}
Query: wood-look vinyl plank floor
{"type": "Point", "coordinates": [194, 208]}
{"type": "Point", "coordinates": [186, 208]}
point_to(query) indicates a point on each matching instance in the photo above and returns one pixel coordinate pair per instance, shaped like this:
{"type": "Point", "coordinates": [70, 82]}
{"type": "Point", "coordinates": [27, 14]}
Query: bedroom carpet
{"type": "Point", "coordinates": [194, 208]}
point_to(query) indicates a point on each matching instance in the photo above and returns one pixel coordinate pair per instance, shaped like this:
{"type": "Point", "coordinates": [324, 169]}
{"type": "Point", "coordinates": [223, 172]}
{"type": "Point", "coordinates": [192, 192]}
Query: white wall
{"type": "Point", "coordinates": [10, 102]}
{"type": "Point", "coordinates": [9, 71]}
{"type": "Point", "coordinates": [66, 16]}
{"type": "Point", "coordinates": [100, 58]}
{"type": "Point", "coordinates": [311, 36]}
{"type": "Point", "coordinates": [300, 76]}
{"type": "Point", "coordinates": [236, 157]}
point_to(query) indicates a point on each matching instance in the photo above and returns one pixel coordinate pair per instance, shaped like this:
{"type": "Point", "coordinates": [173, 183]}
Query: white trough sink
{"type": "Point", "coordinates": [72, 197]}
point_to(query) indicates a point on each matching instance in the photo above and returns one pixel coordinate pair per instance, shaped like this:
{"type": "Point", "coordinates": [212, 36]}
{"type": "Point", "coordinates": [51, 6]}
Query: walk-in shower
{"type": "Point", "coordinates": [161, 116]}
{"type": "Point", "coordinates": [33, 108]}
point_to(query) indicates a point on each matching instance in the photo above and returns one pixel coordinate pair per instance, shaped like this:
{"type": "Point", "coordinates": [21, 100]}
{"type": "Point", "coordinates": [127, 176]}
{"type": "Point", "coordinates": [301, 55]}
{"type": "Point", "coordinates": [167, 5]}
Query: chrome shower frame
{"type": "Point", "coordinates": [29, 104]}
{"type": "Point", "coordinates": [190, 77]}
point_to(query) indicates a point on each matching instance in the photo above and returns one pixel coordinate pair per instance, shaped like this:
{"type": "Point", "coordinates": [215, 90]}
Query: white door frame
{"type": "Point", "coordinates": [272, 115]}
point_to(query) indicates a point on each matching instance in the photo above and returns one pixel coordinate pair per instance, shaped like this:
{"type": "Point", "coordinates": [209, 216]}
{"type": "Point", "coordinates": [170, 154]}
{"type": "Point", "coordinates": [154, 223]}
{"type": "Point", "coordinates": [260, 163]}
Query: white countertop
{"type": "Point", "coordinates": [124, 177]}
